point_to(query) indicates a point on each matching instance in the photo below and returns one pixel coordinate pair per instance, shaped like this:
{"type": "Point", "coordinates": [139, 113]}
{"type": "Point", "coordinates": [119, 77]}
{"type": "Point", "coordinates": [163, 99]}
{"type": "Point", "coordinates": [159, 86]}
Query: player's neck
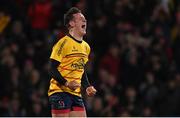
{"type": "Point", "coordinates": [76, 36]}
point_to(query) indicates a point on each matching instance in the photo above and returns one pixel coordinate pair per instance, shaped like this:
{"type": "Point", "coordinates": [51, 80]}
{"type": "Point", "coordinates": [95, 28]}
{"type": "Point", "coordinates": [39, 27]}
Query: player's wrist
{"type": "Point", "coordinates": [87, 86]}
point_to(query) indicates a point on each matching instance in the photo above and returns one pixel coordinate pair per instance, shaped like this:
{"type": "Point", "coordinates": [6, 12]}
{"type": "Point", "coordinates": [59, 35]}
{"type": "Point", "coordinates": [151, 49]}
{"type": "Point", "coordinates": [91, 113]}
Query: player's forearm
{"type": "Point", "coordinates": [85, 81]}
{"type": "Point", "coordinates": [55, 73]}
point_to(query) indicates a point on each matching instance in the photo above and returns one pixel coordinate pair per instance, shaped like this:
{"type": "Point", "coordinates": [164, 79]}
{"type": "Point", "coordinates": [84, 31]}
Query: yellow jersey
{"type": "Point", "coordinates": [72, 55]}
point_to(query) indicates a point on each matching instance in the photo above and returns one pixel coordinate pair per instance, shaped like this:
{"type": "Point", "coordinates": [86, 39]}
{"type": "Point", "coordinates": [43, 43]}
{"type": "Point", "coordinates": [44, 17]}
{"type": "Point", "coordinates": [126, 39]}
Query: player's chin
{"type": "Point", "coordinates": [83, 33]}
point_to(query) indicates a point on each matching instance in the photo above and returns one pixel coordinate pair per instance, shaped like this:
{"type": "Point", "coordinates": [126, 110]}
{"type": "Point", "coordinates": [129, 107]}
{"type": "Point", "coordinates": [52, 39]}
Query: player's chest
{"type": "Point", "coordinates": [76, 48]}
{"type": "Point", "coordinates": [76, 55]}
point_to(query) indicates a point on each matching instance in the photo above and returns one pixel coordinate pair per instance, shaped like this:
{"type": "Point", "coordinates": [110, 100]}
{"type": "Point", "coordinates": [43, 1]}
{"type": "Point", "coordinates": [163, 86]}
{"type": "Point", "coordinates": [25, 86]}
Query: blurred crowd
{"type": "Point", "coordinates": [134, 61]}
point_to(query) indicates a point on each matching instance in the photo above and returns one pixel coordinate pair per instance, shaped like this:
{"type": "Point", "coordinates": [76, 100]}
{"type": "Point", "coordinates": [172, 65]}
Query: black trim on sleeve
{"type": "Point", "coordinates": [54, 73]}
{"type": "Point", "coordinates": [85, 82]}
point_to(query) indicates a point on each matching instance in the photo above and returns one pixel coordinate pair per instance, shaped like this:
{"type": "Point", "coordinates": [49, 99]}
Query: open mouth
{"type": "Point", "coordinates": [83, 26]}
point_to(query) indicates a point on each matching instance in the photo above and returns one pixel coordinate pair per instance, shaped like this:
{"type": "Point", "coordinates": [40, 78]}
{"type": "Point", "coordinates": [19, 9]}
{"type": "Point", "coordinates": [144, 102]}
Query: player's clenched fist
{"type": "Point", "coordinates": [72, 85]}
{"type": "Point", "coordinates": [91, 91]}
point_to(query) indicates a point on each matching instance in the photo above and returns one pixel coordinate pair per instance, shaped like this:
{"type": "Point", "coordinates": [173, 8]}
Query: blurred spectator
{"type": "Point", "coordinates": [131, 101]}
{"type": "Point", "coordinates": [147, 112]}
{"type": "Point", "coordinates": [111, 61]}
{"type": "Point", "coordinates": [131, 65]}
{"type": "Point", "coordinates": [40, 16]}
{"type": "Point", "coordinates": [149, 89]}
{"type": "Point", "coordinates": [97, 107]}
{"type": "Point", "coordinates": [4, 21]}
{"type": "Point", "coordinates": [15, 109]}
{"type": "Point", "coordinates": [17, 34]}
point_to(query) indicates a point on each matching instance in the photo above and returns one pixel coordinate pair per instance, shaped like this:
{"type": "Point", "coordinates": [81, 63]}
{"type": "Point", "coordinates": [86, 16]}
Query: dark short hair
{"type": "Point", "coordinates": [69, 15]}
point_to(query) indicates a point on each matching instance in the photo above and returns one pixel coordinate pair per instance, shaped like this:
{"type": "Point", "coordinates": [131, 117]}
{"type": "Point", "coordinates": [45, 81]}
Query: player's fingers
{"type": "Point", "coordinates": [90, 94]}
{"type": "Point", "coordinates": [93, 89]}
{"type": "Point", "coordinates": [76, 85]}
{"type": "Point", "coordinates": [93, 92]}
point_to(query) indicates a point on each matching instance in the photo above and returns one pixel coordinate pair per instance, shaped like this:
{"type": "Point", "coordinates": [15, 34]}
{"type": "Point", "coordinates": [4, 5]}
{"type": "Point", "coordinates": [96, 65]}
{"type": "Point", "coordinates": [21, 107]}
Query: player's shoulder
{"type": "Point", "coordinates": [85, 43]}
{"type": "Point", "coordinates": [87, 47]}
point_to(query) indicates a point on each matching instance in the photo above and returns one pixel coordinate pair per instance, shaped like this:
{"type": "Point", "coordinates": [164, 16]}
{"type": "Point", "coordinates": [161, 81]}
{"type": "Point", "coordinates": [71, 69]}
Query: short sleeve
{"type": "Point", "coordinates": [58, 50]}
{"type": "Point", "coordinates": [88, 49]}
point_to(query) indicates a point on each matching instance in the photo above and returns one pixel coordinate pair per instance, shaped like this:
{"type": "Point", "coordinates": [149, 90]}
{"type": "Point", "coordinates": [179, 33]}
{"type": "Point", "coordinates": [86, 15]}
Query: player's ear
{"type": "Point", "coordinates": [71, 23]}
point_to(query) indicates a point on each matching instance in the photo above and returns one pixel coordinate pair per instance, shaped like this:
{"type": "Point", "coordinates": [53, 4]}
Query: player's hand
{"type": "Point", "coordinates": [91, 91]}
{"type": "Point", "coordinates": [73, 85]}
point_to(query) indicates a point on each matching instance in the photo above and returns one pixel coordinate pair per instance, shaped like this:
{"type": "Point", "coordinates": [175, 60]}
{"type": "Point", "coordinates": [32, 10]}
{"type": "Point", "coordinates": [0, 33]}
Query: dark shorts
{"type": "Point", "coordinates": [63, 102]}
